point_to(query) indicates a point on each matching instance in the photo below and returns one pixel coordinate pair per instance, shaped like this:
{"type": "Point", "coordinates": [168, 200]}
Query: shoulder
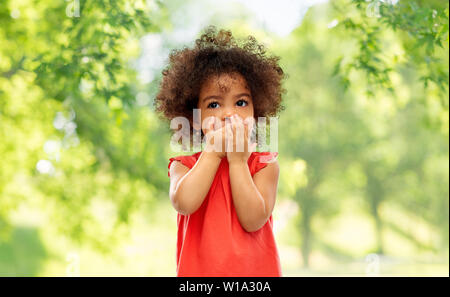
{"type": "Point", "coordinates": [185, 162]}
{"type": "Point", "coordinates": [264, 160]}
{"type": "Point", "coordinates": [266, 157]}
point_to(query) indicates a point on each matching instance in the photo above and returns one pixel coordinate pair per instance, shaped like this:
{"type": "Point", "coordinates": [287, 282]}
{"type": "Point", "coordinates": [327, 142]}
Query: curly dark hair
{"type": "Point", "coordinates": [216, 53]}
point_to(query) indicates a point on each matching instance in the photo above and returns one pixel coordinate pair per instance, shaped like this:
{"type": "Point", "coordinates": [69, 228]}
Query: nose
{"type": "Point", "coordinates": [226, 115]}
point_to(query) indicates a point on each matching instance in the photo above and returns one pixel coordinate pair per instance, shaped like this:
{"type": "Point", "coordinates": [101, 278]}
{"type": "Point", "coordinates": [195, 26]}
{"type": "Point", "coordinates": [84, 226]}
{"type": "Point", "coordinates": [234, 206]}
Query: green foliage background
{"type": "Point", "coordinates": [363, 141]}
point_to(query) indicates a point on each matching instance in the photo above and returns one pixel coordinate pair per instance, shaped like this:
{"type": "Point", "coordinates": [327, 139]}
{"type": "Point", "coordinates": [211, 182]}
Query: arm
{"type": "Point", "coordinates": [253, 199]}
{"type": "Point", "coordinates": [188, 188]}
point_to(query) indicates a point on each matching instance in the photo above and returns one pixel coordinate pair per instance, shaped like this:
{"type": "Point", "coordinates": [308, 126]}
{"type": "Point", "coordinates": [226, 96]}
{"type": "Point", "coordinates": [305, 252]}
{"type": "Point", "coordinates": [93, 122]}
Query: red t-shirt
{"type": "Point", "coordinates": [212, 242]}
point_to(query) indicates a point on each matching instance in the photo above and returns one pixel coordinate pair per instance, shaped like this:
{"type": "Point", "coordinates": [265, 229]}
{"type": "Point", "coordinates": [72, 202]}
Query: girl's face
{"type": "Point", "coordinates": [223, 96]}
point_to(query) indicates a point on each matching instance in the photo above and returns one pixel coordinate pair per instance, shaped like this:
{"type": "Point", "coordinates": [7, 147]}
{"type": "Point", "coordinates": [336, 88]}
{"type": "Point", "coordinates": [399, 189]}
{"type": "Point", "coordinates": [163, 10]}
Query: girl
{"type": "Point", "coordinates": [224, 196]}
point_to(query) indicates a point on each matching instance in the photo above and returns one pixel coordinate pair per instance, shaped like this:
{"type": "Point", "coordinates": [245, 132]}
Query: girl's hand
{"type": "Point", "coordinates": [238, 142]}
{"type": "Point", "coordinates": [215, 138]}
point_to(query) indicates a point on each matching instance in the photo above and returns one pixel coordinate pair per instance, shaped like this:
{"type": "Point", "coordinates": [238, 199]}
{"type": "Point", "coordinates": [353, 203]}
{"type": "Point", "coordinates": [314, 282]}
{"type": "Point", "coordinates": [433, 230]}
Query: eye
{"type": "Point", "coordinates": [242, 102]}
{"type": "Point", "coordinates": [213, 104]}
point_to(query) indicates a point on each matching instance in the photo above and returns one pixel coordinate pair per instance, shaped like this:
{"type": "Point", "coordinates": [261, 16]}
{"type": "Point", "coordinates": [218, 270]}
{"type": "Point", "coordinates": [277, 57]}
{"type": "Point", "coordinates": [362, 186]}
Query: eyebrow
{"type": "Point", "coordinates": [220, 98]}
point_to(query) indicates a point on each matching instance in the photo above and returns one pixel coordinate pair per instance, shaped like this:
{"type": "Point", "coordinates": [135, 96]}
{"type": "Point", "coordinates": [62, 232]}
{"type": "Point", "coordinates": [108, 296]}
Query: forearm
{"type": "Point", "coordinates": [193, 187]}
{"type": "Point", "coordinates": [248, 202]}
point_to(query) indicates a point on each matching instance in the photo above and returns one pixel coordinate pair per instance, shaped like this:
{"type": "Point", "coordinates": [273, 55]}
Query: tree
{"type": "Point", "coordinates": [419, 30]}
{"type": "Point", "coordinates": [71, 65]}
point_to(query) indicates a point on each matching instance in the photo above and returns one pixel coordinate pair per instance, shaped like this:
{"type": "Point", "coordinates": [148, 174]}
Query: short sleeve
{"type": "Point", "coordinates": [261, 160]}
{"type": "Point", "coordinates": [188, 161]}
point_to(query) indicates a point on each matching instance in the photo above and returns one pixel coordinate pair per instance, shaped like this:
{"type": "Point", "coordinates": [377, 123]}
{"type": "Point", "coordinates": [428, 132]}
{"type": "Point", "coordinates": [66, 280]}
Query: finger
{"type": "Point", "coordinates": [227, 121]}
{"type": "Point", "coordinates": [243, 124]}
{"type": "Point", "coordinates": [228, 138]}
{"type": "Point", "coordinates": [246, 139]}
{"type": "Point", "coordinates": [243, 136]}
{"type": "Point", "coordinates": [251, 128]}
{"type": "Point", "coordinates": [233, 131]}
{"type": "Point", "coordinates": [250, 122]}
{"type": "Point", "coordinates": [239, 134]}
{"type": "Point", "coordinates": [233, 123]}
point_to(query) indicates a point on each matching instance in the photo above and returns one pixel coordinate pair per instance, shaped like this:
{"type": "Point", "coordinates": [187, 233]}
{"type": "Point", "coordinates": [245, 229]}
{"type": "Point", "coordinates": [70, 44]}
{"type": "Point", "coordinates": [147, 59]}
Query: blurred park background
{"type": "Point", "coordinates": [363, 141]}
